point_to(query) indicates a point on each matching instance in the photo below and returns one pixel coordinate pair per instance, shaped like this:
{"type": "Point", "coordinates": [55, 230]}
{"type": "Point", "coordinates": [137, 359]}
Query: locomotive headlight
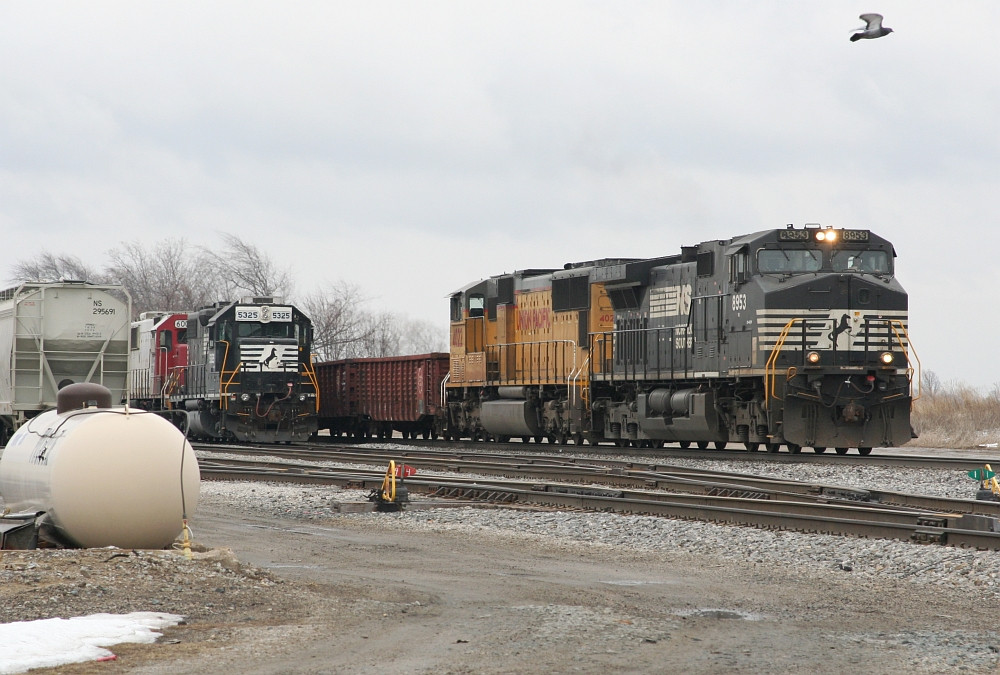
{"type": "Point", "coordinates": [827, 236]}
{"type": "Point", "coordinates": [812, 357]}
{"type": "Point", "coordinates": [886, 358]}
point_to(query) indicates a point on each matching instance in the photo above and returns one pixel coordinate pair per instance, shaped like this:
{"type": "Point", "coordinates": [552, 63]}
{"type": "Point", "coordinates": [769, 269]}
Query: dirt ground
{"type": "Point", "coordinates": [352, 595]}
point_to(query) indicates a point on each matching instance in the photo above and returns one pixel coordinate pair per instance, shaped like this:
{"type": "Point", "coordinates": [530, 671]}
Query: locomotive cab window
{"type": "Point", "coordinates": [872, 262]}
{"type": "Point", "coordinates": [784, 261]}
{"type": "Point", "coordinates": [477, 305]}
{"type": "Point", "coordinates": [739, 266]}
{"type": "Point", "coordinates": [276, 329]}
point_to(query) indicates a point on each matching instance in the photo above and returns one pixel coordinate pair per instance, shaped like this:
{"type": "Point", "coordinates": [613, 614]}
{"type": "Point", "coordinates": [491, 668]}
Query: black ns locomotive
{"type": "Point", "coordinates": [793, 336]}
{"type": "Point", "coordinates": [249, 374]}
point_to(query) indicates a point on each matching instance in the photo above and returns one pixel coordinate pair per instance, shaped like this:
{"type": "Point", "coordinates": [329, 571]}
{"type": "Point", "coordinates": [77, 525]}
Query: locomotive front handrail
{"type": "Point", "coordinates": [911, 372]}
{"type": "Point", "coordinates": [224, 388]}
{"type": "Point", "coordinates": [771, 370]}
{"type": "Point", "coordinates": [310, 375]}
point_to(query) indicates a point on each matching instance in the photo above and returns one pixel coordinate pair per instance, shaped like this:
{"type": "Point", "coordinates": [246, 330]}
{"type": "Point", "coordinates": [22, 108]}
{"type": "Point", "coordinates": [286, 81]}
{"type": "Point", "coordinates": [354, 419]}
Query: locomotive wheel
{"type": "Point", "coordinates": [684, 444]}
{"type": "Point", "coordinates": [538, 439]}
{"type": "Point", "coordinates": [577, 439]}
{"type": "Point", "coordinates": [819, 451]}
{"type": "Point", "coordinates": [525, 439]}
{"type": "Point", "coordinates": [752, 447]}
{"type": "Point", "coordinates": [658, 445]}
{"type": "Point", "coordinates": [720, 445]}
{"type": "Point", "coordinates": [794, 448]}
{"type": "Point", "coordinates": [864, 451]}
{"type": "Point", "coordinates": [772, 447]}
{"type": "Point", "coordinates": [702, 445]}
{"type": "Point", "coordinates": [841, 451]}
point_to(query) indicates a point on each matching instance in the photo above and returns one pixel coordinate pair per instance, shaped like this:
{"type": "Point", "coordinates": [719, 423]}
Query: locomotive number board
{"type": "Point", "coordinates": [807, 235]}
{"type": "Point", "coordinates": [263, 313]}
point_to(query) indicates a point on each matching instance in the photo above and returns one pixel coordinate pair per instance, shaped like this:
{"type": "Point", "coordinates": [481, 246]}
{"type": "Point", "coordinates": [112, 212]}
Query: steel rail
{"type": "Point", "coordinates": [545, 451]}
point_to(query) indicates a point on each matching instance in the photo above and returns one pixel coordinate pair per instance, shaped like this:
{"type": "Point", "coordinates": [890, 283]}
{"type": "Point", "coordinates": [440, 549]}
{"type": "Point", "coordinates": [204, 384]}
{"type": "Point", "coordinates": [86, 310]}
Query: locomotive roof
{"type": "Point", "coordinates": [627, 269]}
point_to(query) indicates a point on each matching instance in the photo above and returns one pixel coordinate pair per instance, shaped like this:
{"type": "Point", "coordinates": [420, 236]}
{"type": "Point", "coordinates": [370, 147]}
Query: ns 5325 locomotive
{"type": "Point", "coordinates": [794, 337]}
{"type": "Point", "coordinates": [247, 370]}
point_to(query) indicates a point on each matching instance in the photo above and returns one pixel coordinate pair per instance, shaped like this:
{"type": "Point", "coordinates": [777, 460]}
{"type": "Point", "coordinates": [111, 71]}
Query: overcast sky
{"type": "Point", "coordinates": [412, 147]}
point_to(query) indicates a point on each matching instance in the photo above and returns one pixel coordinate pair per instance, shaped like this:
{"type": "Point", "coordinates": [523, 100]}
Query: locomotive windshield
{"type": "Point", "coordinates": [800, 261]}
{"type": "Point", "coordinates": [875, 262]}
{"type": "Point", "coordinates": [781, 261]}
{"type": "Point", "coordinates": [267, 330]}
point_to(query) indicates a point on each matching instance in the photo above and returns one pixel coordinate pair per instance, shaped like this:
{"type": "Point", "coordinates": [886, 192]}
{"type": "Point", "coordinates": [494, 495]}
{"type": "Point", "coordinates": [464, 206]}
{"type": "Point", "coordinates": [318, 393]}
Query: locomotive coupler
{"type": "Point", "coordinates": [853, 412]}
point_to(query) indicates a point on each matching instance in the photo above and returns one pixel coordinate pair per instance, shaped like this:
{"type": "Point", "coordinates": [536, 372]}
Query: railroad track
{"type": "Point", "coordinates": [665, 455]}
{"type": "Point", "coordinates": [598, 454]}
{"type": "Point", "coordinates": [628, 488]}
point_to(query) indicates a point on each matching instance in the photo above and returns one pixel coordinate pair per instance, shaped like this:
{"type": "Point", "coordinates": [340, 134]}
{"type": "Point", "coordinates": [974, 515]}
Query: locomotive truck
{"type": "Point", "coordinates": [794, 337]}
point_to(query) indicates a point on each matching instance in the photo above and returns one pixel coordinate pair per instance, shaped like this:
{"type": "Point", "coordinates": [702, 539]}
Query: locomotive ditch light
{"type": "Point", "coordinates": [886, 358]}
{"type": "Point", "coordinates": [244, 397]}
{"type": "Point", "coordinates": [813, 357]}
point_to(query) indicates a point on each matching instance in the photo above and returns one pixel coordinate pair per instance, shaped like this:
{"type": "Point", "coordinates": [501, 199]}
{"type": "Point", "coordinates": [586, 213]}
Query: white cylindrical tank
{"type": "Point", "coordinates": [103, 476]}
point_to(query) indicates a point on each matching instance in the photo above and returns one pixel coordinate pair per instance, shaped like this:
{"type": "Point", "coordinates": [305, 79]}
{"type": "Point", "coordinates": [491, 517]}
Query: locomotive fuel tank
{"type": "Point", "coordinates": [102, 475]}
{"type": "Point", "coordinates": [505, 417]}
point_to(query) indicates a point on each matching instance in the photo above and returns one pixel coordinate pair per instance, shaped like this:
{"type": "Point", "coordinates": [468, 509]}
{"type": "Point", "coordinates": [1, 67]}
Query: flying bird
{"type": "Point", "coordinates": [873, 30]}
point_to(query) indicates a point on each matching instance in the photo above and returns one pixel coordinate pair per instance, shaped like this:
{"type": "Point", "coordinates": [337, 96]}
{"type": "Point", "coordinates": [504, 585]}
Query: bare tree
{"type": "Point", "coordinates": [170, 276]}
{"type": "Point", "coordinates": [243, 268]}
{"type": "Point", "coordinates": [52, 267]}
{"type": "Point", "coordinates": [389, 334]}
{"type": "Point", "coordinates": [339, 323]}
{"type": "Point", "coordinates": [420, 336]}
{"type": "Point", "coordinates": [381, 337]}
{"type": "Point", "coordinates": [930, 383]}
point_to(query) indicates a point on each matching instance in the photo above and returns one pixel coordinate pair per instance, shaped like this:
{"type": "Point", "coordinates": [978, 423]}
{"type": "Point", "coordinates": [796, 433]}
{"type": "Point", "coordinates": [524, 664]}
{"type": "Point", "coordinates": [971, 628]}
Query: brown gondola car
{"type": "Point", "coordinates": [373, 397]}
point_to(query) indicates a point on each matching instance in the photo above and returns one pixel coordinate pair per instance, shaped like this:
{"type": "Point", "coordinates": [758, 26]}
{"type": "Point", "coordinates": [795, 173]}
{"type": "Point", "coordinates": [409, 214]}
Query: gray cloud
{"type": "Point", "coordinates": [412, 147]}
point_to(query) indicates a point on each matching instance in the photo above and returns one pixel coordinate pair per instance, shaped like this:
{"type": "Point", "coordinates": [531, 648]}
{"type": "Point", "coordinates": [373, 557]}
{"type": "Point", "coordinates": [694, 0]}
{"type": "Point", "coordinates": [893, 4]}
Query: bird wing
{"type": "Point", "coordinates": [874, 21]}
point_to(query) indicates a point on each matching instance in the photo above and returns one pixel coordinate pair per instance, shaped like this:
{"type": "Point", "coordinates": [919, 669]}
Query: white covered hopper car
{"type": "Point", "coordinates": [59, 333]}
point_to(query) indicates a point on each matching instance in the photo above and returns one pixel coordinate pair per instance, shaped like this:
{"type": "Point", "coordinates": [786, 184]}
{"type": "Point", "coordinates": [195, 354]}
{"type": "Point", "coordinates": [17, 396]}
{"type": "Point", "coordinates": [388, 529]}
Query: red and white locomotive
{"type": "Point", "coordinates": [157, 359]}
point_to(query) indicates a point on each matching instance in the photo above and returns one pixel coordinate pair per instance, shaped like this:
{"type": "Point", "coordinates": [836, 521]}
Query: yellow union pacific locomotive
{"type": "Point", "coordinates": [794, 337]}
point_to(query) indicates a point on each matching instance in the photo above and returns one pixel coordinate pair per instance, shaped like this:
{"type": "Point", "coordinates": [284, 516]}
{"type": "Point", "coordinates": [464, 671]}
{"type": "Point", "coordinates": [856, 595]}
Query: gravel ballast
{"type": "Point", "coordinates": [231, 605]}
